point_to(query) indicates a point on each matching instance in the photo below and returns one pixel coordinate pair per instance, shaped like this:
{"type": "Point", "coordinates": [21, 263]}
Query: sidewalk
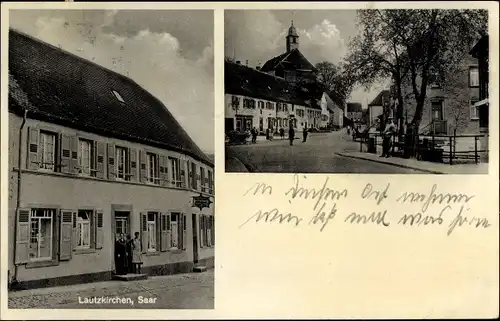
{"type": "Point", "coordinates": [428, 167]}
{"type": "Point", "coordinates": [180, 291]}
{"type": "Point", "coordinates": [234, 165]}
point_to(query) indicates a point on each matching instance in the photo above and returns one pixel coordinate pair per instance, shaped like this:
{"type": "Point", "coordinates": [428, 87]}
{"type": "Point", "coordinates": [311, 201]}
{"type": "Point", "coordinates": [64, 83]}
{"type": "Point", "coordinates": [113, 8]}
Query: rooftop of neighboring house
{"type": "Point", "coordinates": [481, 47]}
{"type": "Point", "coordinates": [246, 81]}
{"type": "Point", "coordinates": [61, 88]}
{"type": "Point", "coordinates": [384, 95]}
{"type": "Point", "coordinates": [354, 107]}
{"type": "Point", "coordinates": [292, 60]}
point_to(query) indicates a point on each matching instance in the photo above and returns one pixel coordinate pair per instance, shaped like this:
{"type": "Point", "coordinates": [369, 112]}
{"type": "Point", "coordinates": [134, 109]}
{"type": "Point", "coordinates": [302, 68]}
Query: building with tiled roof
{"type": "Point", "coordinates": [277, 94]}
{"type": "Point", "coordinates": [377, 105]}
{"type": "Point", "coordinates": [292, 65]}
{"type": "Point", "coordinates": [93, 155]}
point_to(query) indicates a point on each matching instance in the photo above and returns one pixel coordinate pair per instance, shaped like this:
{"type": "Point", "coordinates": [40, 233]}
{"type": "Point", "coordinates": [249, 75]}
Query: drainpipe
{"type": "Point", "coordinates": [18, 203]}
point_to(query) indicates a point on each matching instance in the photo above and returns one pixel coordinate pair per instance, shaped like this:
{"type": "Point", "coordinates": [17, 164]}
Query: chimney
{"type": "Point", "coordinates": [238, 62]}
{"type": "Point", "coordinates": [246, 62]}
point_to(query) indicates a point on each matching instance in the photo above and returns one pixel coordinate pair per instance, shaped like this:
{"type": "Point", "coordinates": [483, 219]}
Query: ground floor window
{"type": "Point", "coordinates": [151, 228]}
{"type": "Point", "coordinates": [41, 233]}
{"type": "Point", "coordinates": [207, 231]}
{"type": "Point", "coordinates": [83, 229]}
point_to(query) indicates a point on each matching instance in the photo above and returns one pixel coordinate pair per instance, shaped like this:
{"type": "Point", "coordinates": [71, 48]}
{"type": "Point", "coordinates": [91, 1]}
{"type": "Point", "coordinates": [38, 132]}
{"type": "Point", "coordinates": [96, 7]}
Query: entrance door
{"type": "Point", "coordinates": [122, 226]}
{"type": "Point", "coordinates": [261, 124]}
{"type": "Point", "coordinates": [195, 239]}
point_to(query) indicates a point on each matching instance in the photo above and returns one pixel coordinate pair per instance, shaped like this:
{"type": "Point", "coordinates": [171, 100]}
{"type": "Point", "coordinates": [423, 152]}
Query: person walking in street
{"type": "Point", "coordinates": [271, 133]}
{"type": "Point", "coordinates": [304, 135]}
{"type": "Point", "coordinates": [291, 135]}
{"type": "Point", "coordinates": [267, 133]}
{"type": "Point", "coordinates": [387, 135]}
{"type": "Point", "coordinates": [128, 246]}
{"type": "Point", "coordinates": [254, 135]}
{"type": "Point", "coordinates": [136, 254]}
{"type": "Point", "coordinates": [282, 133]}
{"type": "Point", "coordinates": [348, 129]}
{"type": "Point", "coordinates": [120, 255]}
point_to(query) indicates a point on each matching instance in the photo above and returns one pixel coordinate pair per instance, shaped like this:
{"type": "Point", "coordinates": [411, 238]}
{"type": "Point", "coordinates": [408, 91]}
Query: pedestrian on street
{"type": "Point", "coordinates": [304, 135]}
{"type": "Point", "coordinates": [282, 133]}
{"type": "Point", "coordinates": [388, 133]}
{"type": "Point", "coordinates": [291, 135]}
{"type": "Point", "coordinates": [136, 253]}
{"type": "Point", "coordinates": [120, 255]}
{"type": "Point", "coordinates": [254, 135]}
{"type": "Point", "coordinates": [271, 134]}
{"type": "Point", "coordinates": [267, 133]}
{"type": "Point", "coordinates": [130, 268]}
{"type": "Point", "coordinates": [348, 129]}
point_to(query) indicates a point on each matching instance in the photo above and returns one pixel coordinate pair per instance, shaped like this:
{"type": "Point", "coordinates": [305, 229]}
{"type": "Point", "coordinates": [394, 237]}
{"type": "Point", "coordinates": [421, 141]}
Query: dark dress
{"type": "Point", "coordinates": [129, 257]}
{"type": "Point", "coordinates": [120, 257]}
{"type": "Point", "coordinates": [291, 135]}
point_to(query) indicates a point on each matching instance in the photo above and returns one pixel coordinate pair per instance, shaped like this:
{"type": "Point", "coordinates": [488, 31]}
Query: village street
{"type": "Point", "coordinates": [317, 155]}
{"type": "Point", "coordinates": [180, 291]}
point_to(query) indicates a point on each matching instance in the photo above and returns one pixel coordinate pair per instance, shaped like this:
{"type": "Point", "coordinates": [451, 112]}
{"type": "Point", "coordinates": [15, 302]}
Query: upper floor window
{"type": "Point", "coordinates": [203, 179]}
{"type": "Point", "coordinates": [474, 110]}
{"type": "Point", "coordinates": [210, 182]}
{"type": "Point", "coordinates": [473, 77]}
{"type": "Point", "coordinates": [86, 157]}
{"type": "Point", "coordinates": [261, 104]}
{"type": "Point", "coordinates": [47, 150]}
{"type": "Point", "coordinates": [176, 171]}
{"type": "Point", "coordinates": [235, 101]}
{"type": "Point", "coordinates": [152, 165]}
{"type": "Point", "coordinates": [122, 169]}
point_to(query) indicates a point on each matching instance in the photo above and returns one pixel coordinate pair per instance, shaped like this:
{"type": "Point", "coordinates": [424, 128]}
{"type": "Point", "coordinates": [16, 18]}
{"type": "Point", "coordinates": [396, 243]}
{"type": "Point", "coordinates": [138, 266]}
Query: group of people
{"type": "Point", "coordinates": [128, 257]}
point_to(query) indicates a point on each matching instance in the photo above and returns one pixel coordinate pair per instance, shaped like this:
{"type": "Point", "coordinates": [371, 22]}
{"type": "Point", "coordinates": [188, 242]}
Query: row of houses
{"type": "Point", "coordinates": [93, 155]}
{"type": "Point", "coordinates": [281, 93]}
{"type": "Point", "coordinates": [456, 103]}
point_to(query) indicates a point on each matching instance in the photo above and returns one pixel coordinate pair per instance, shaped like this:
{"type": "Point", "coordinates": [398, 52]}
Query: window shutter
{"type": "Point", "coordinates": [99, 234]}
{"type": "Point", "coordinates": [202, 235]}
{"type": "Point", "coordinates": [99, 159]}
{"type": "Point", "coordinates": [75, 167]}
{"type": "Point", "coordinates": [65, 153]}
{"type": "Point", "coordinates": [213, 230]}
{"type": "Point", "coordinates": [75, 232]}
{"type": "Point", "coordinates": [169, 232]}
{"type": "Point", "coordinates": [66, 235]}
{"type": "Point", "coordinates": [144, 232]}
{"type": "Point", "coordinates": [193, 176]}
{"type": "Point", "coordinates": [190, 175]}
{"type": "Point", "coordinates": [198, 177]}
{"type": "Point", "coordinates": [182, 164]}
{"type": "Point", "coordinates": [184, 231]}
{"type": "Point", "coordinates": [133, 164]}
{"type": "Point", "coordinates": [33, 148]}
{"type": "Point", "coordinates": [23, 235]}
{"type": "Point", "coordinates": [163, 235]}
{"type": "Point", "coordinates": [142, 156]}
{"type": "Point", "coordinates": [111, 161]}
{"type": "Point", "coordinates": [163, 171]}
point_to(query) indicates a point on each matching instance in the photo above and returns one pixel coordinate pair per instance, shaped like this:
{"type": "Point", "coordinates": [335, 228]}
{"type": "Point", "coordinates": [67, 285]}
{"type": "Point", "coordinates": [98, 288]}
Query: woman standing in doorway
{"type": "Point", "coordinates": [136, 253]}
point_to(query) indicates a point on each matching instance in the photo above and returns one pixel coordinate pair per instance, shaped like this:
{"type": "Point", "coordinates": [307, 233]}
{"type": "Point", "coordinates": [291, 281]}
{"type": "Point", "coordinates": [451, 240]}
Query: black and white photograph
{"type": "Point", "coordinates": [111, 159]}
{"type": "Point", "coordinates": [380, 91]}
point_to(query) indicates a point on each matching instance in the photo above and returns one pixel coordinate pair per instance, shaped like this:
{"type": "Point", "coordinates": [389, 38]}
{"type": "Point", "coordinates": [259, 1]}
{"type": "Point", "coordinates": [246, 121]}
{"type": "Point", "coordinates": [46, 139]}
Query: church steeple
{"type": "Point", "coordinates": [292, 39]}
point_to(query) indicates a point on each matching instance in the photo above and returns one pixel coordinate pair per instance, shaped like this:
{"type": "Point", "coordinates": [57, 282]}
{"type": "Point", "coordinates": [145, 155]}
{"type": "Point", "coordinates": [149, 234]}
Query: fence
{"type": "Point", "coordinates": [451, 149]}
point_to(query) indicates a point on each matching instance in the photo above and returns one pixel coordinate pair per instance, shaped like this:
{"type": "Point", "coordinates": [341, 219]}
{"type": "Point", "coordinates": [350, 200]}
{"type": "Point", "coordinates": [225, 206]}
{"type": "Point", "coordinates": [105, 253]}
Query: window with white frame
{"type": "Point", "coordinates": [86, 157]}
{"type": "Point", "coordinates": [210, 182]}
{"type": "Point", "coordinates": [83, 229]}
{"type": "Point", "coordinates": [152, 166]}
{"type": "Point", "coordinates": [47, 150]}
{"type": "Point", "coordinates": [473, 77]}
{"type": "Point", "coordinates": [122, 171]}
{"type": "Point", "coordinates": [175, 166]}
{"type": "Point", "coordinates": [41, 233]}
{"type": "Point", "coordinates": [175, 230]}
{"type": "Point", "coordinates": [151, 226]}
{"type": "Point", "coordinates": [474, 110]}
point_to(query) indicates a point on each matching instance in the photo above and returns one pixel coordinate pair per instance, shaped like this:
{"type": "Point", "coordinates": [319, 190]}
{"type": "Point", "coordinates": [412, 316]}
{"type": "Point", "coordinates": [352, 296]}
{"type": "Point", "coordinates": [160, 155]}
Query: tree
{"type": "Point", "coordinates": [335, 80]}
{"type": "Point", "coordinates": [413, 45]}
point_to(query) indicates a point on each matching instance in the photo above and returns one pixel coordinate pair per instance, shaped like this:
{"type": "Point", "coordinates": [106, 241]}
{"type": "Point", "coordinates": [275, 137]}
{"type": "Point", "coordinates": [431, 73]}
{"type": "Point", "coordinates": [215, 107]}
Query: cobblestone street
{"type": "Point", "coordinates": [181, 291]}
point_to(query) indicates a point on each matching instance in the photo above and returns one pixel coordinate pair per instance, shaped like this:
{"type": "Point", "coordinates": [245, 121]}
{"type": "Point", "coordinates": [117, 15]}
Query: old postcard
{"type": "Point", "coordinates": [119, 120]}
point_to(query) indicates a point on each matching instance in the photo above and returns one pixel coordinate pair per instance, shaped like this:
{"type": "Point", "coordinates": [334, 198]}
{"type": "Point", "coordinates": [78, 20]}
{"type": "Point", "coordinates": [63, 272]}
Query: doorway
{"type": "Point", "coordinates": [195, 239]}
{"type": "Point", "coordinates": [122, 224]}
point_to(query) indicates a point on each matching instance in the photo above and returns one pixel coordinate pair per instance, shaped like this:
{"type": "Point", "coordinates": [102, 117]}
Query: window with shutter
{"type": "Point", "coordinates": [41, 234]}
{"type": "Point", "coordinates": [87, 158]}
{"type": "Point", "coordinates": [122, 169]}
{"type": "Point", "coordinates": [152, 231]}
{"type": "Point", "coordinates": [111, 161]}
{"type": "Point", "coordinates": [47, 151]}
{"type": "Point", "coordinates": [184, 232]}
{"type": "Point", "coordinates": [202, 228]}
{"type": "Point", "coordinates": [75, 166]}
{"type": "Point", "coordinates": [152, 169]}
{"type": "Point", "coordinates": [100, 150]}
{"type": "Point", "coordinates": [33, 148]}
{"type": "Point", "coordinates": [144, 232]}
{"type": "Point", "coordinates": [65, 147]}
{"type": "Point", "coordinates": [164, 234]}
{"type": "Point", "coordinates": [133, 164]}
{"type": "Point", "coordinates": [66, 234]}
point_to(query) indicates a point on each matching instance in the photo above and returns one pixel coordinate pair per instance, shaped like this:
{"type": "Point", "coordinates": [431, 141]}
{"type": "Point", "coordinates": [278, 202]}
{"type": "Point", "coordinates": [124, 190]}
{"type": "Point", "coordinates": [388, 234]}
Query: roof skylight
{"type": "Point", "coordinates": [118, 96]}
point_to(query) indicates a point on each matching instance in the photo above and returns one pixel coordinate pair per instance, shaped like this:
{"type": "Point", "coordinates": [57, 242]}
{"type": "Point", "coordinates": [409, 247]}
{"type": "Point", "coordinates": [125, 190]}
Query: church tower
{"type": "Point", "coordinates": [292, 39]}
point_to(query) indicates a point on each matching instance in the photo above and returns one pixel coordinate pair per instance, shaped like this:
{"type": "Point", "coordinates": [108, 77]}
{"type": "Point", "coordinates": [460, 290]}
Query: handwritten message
{"type": "Point", "coordinates": [429, 208]}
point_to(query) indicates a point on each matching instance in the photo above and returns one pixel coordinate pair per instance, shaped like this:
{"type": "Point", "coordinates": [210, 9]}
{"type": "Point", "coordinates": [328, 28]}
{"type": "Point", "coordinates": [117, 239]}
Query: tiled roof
{"type": "Point", "coordinates": [354, 107]}
{"type": "Point", "coordinates": [246, 81]}
{"type": "Point", "coordinates": [378, 100]}
{"type": "Point", "coordinates": [292, 60]}
{"type": "Point", "coordinates": [59, 87]}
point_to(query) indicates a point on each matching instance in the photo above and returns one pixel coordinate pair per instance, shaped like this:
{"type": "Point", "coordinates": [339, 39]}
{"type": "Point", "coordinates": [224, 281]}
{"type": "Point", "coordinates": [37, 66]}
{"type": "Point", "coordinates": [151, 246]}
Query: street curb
{"type": "Point", "coordinates": [389, 163]}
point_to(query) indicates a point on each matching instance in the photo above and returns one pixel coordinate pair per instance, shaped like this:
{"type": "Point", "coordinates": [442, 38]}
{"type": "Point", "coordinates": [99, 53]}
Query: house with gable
{"type": "Point", "coordinates": [93, 155]}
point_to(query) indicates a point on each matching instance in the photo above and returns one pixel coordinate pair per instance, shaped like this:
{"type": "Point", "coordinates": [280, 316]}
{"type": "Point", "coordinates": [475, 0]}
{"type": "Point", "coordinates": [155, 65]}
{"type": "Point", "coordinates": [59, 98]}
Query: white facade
{"type": "Point", "coordinates": [374, 112]}
{"type": "Point", "coordinates": [243, 113]}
